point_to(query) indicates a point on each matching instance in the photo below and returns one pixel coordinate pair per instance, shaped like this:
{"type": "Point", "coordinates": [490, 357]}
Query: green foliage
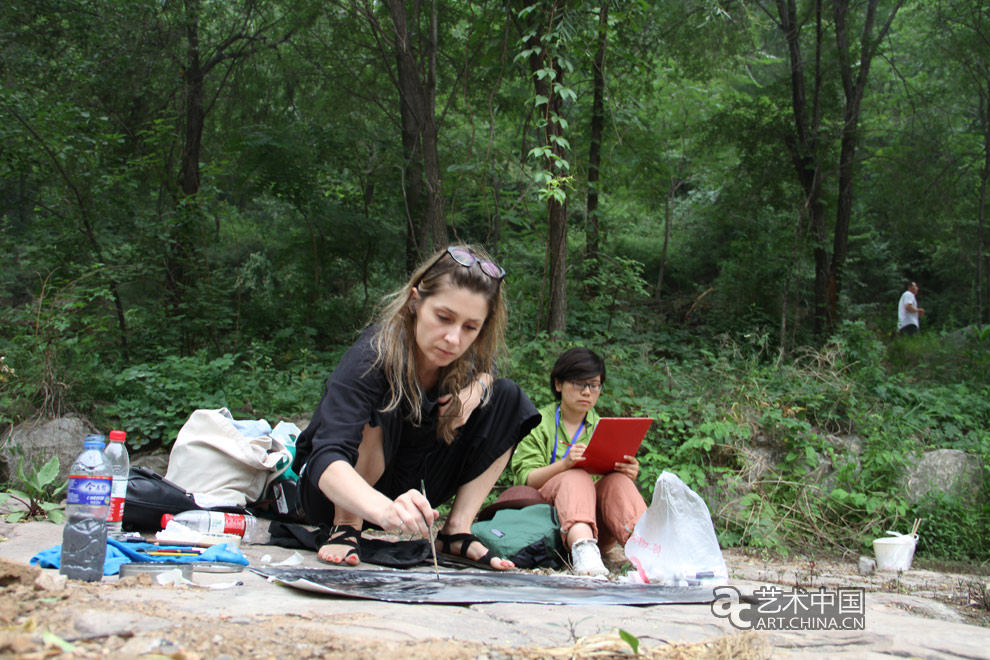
{"type": "Point", "coordinates": [154, 400]}
{"type": "Point", "coordinates": [952, 529]}
{"type": "Point", "coordinates": [943, 356]}
{"type": "Point", "coordinates": [130, 298]}
{"type": "Point", "coordinates": [38, 493]}
{"type": "Point", "coordinates": [547, 42]}
{"type": "Point", "coordinates": [631, 640]}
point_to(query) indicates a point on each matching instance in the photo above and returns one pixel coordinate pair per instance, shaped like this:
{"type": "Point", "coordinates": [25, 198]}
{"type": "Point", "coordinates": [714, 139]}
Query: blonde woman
{"type": "Point", "coordinates": [414, 401]}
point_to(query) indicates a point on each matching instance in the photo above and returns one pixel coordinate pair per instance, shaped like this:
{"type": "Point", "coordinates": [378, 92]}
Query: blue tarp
{"type": "Point", "coordinates": [125, 552]}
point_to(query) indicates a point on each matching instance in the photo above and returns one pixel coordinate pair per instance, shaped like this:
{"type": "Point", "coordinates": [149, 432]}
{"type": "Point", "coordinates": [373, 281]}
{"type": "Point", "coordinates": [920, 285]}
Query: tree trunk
{"type": "Point", "coordinates": [981, 290]}
{"type": "Point", "coordinates": [539, 60]}
{"type": "Point", "coordinates": [595, 147]}
{"type": "Point", "coordinates": [668, 212]}
{"type": "Point", "coordinates": [663, 251]}
{"type": "Point", "coordinates": [558, 267]}
{"type": "Point", "coordinates": [179, 247]}
{"type": "Point", "coordinates": [803, 145]}
{"type": "Point", "coordinates": [843, 217]}
{"type": "Point", "coordinates": [416, 82]}
{"type": "Point", "coordinates": [193, 76]}
{"type": "Point", "coordinates": [853, 90]}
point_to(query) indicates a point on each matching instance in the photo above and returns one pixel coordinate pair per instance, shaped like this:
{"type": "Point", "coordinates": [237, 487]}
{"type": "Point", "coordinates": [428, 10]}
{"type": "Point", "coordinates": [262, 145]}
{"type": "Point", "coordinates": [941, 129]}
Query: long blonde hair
{"type": "Point", "coordinates": [395, 339]}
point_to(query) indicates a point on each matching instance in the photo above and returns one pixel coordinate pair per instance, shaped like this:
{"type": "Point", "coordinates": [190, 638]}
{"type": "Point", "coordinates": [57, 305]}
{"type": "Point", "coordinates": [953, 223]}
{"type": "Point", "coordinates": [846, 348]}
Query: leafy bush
{"type": "Point", "coordinates": [38, 493]}
{"type": "Point", "coordinates": [952, 529]}
{"type": "Point", "coordinates": [153, 401]}
{"type": "Point", "coordinates": [720, 401]}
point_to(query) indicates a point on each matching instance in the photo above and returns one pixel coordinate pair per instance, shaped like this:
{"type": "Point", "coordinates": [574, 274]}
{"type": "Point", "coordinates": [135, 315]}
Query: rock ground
{"type": "Point", "coordinates": [920, 613]}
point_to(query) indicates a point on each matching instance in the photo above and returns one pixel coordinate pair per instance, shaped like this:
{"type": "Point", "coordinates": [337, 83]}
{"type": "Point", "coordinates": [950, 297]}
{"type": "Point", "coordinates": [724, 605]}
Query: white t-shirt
{"type": "Point", "coordinates": [904, 317]}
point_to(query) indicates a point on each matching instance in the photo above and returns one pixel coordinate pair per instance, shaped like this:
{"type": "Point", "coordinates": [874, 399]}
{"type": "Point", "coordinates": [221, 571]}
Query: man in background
{"type": "Point", "coordinates": [908, 312]}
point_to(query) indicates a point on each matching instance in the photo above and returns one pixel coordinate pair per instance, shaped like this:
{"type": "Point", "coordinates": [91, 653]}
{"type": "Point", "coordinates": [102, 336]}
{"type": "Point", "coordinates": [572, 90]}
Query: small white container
{"type": "Point", "coordinates": [896, 552]}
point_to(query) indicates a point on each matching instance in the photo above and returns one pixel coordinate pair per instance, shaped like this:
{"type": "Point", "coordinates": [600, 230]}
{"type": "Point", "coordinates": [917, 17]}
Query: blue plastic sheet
{"type": "Point", "coordinates": [125, 552]}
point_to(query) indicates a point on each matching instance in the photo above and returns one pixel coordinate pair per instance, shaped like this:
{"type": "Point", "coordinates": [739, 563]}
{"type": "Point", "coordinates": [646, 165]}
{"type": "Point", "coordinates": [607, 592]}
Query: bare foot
{"type": "Point", "coordinates": [343, 546]}
{"type": "Point", "coordinates": [476, 551]}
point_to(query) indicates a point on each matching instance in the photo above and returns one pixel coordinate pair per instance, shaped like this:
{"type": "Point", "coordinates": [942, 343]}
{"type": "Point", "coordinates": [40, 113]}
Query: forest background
{"type": "Point", "coordinates": [201, 203]}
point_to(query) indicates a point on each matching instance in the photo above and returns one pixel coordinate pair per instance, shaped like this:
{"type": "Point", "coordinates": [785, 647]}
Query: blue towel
{"type": "Point", "coordinates": [125, 552]}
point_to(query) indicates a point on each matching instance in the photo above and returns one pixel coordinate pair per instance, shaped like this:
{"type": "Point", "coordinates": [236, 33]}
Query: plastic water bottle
{"type": "Point", "coordinates": [246, 526]}
{"type": "Point", "coordinates": [84, 538]}
{"type": "Point", "coordinates": [120, 465]}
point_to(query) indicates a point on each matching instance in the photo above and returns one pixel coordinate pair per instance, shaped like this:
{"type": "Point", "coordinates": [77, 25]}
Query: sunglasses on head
{"type": "Point", "coordinates": [467, 259]}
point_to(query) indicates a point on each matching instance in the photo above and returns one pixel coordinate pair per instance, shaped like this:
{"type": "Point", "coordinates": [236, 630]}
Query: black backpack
{"type": "Point", "coordinates": [150, 495]}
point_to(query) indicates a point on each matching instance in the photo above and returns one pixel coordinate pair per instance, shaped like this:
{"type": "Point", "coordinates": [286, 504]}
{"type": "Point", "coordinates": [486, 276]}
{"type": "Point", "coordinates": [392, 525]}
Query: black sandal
{"type": "Point", "coordinates": [462, 558]}
{"type": "Point", "coordinates": [347, 536]}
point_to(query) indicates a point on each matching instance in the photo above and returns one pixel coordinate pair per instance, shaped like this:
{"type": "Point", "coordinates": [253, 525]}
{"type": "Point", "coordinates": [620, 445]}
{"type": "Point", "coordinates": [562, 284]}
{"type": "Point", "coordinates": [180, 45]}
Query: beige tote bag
{"type": "Point", "coordinates": [212, 459]}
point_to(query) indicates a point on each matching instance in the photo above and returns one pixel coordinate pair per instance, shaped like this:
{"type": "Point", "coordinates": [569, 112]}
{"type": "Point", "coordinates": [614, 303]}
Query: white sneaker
{"type": "Point", "coordinates": [586, 559]}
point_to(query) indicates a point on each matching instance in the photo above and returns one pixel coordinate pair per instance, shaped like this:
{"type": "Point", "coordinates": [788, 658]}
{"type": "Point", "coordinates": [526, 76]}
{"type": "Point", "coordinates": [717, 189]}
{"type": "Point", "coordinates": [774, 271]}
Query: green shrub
{"type": "Point", "coordinates": [38, 491]}
{"type": "Point", "coordinates": [153, 401]}
{"type": "Point", "coordinates": [952, 529]}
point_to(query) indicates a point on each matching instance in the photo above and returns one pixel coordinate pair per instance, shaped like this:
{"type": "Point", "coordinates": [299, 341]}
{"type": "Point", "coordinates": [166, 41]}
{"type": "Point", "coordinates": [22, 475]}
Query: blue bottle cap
{"type": "Point", "coordinates": [94, 441]}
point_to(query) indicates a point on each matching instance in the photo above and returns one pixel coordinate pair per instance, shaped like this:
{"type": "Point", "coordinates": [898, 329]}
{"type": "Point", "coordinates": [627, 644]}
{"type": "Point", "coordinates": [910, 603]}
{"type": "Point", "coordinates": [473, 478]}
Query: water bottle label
{"type": "Point", "coordinates": [118, 491]}
{"type": "Point", "coordinates": [116, 510]}
{"type": "Point", "coordinates": [226, 523]}
{"type": "Point", "coordinates": [88, 490]}
{"type": "Point", "coordinates": [119, 488]}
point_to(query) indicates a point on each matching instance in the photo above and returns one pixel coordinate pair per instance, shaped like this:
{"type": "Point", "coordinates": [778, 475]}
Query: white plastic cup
{"type": "Point", "coordinates": [895, 553]}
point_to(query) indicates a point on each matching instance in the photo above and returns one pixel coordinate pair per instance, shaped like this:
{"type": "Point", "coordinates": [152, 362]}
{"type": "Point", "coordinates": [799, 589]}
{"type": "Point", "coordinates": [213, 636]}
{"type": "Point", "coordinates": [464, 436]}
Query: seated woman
{"type": "Point", "coordinates": [413, 401]}
{"type": "Point", "coordinates": [550, 458]}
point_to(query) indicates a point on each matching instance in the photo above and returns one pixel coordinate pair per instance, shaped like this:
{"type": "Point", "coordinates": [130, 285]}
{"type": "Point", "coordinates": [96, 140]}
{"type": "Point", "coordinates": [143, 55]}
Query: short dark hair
{"type": "Point", "coordinates": [576, 363]}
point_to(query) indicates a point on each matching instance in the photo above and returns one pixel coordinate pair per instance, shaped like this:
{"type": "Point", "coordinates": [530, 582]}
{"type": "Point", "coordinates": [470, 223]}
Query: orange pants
{"type": "Point", "coordinates": [611, 505]}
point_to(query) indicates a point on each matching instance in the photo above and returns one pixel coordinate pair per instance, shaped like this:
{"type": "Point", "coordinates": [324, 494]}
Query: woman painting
{"type": "Point", "coordinates": [593, 514]}
{"type": "Point", "coordinates": [413, 403]}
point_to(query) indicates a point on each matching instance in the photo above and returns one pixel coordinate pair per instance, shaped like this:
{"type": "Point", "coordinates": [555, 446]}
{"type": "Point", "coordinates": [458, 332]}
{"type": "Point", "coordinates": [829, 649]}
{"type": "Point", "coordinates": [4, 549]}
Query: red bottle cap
{"type": "Point", "coordinates": [165, 518]}
{"type": "Point", "coordinates": [117, 436]}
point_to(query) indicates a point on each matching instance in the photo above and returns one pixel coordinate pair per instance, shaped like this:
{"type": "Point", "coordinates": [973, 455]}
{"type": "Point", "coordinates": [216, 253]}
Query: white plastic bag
{"type": "Point", "coordinates": [674, 542]}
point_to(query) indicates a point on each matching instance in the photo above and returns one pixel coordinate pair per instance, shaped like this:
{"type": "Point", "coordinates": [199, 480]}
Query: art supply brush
{"type": "Point", "coordinates": [166, 548]}
{"type": "Point", "coordinates": [173, 554]}
{"type": "Point", "coordinates": [429, 526]}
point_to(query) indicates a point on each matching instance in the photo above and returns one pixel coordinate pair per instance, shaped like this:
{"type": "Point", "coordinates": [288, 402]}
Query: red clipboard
{"type": "Point", "coordinates": [613, 438]}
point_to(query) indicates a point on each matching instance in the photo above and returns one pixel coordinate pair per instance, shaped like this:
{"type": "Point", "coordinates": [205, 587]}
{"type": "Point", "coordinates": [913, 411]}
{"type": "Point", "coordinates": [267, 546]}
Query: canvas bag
{"type": "Point", "coordinates": [529, 537]}
{"type": "Point", "coordinates": [221, 466]}
{"type": "Point", "coordinates": [674, 542]}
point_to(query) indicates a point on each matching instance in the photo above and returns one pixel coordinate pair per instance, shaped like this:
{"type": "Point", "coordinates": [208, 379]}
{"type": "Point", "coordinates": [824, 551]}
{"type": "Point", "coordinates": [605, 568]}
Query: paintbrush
{"type": "Point", "coordinates": [429, 526]}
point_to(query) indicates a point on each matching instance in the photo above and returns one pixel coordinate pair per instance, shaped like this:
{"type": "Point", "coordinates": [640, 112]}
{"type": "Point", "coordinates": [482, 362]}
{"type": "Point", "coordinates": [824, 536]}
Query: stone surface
{"type": "Point", "coordinates": [256, 617]}
{"type": "Point", "coordinates": [947, 471]}
{"type": "Point", "coordinates": [50, 581]}
{"type": "Point", "coordinates": [156, 461]}
{"type": "Point", "coordinates": [38, 441]}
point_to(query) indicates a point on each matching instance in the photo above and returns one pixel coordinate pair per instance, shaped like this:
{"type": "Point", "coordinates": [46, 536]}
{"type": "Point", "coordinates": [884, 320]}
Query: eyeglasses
{"type": "Point", "coordinates": [467, 259]}
{"type": "Point", "coordinates": [580, 385]}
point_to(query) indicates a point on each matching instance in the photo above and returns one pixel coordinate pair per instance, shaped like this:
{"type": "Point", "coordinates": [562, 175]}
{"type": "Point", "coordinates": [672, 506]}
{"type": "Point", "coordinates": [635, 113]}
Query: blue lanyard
{"type": "Point", "coordinates": [553, 457]}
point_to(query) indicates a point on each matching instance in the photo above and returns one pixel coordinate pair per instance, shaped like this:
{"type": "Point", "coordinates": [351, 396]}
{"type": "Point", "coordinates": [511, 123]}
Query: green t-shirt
{"type": "Point", "coordinates": [534, 451]}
